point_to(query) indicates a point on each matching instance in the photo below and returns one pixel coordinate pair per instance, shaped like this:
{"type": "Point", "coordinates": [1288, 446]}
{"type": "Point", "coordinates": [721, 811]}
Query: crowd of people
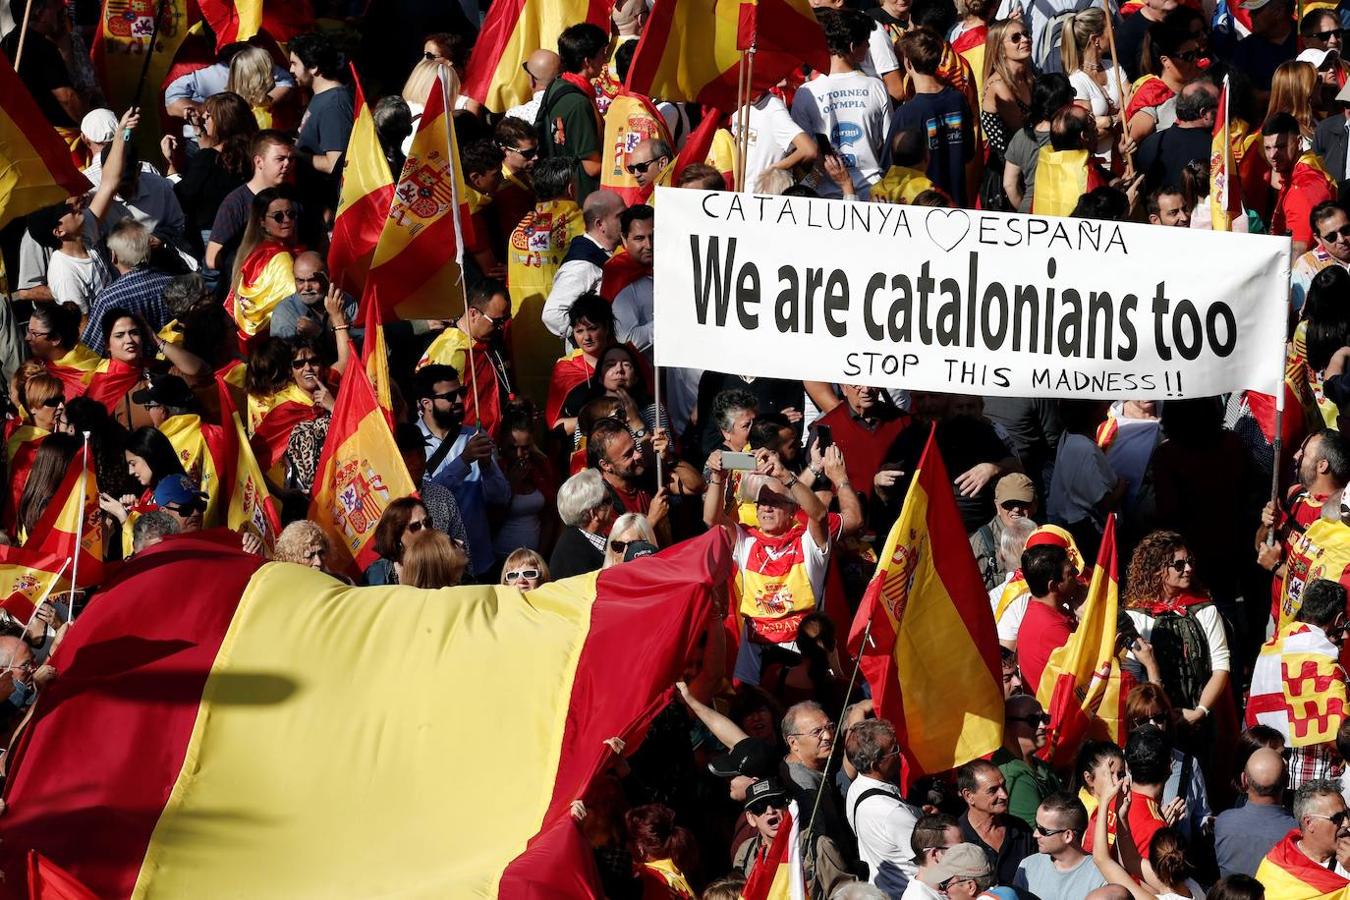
{"type": "Point", "coordinates": [543, 443]}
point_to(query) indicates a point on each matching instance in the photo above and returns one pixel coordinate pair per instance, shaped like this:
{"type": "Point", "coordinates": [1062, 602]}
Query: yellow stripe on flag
{"type": "Point", "coordinates": [377, 683]}
{"type": "Point", "coordinates": [495, 77]}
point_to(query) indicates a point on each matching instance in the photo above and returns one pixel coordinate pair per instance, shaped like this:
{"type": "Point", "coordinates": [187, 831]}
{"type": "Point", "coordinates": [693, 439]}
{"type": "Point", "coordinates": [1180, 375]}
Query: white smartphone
{"type": "Point", "coordinates": [738, 462]}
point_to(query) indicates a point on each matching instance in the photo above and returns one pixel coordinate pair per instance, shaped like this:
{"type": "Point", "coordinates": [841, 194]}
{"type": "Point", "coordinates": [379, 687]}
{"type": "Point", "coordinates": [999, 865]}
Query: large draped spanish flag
{"type": "Point", "coordinates": [691, 49]}
{"type": "Point", "coordinates": [121, 41]}
{"type": "Point", "coordinates": [35, 165]}
{"type": "Point", "coordinates": [1077, 676]}
{"type": "Point", "coordinates": [59, 525]}
{"type": "Point", "coordinates": [287, 735]}
{"type": "Point", "coordinates": [360, 473]}
{"type": "Point", "coordinates": [1288, 874]}
{"type": "Point", "coordinates": [512, 31]}
{"type": "Point", "coordinates": [931, 629]}
{"type": "Point", "coordinates": [367, 194]}
{"type": "Point", "coordinates": [239, 20]}
{"type": "Point", "coordinates": [416, 272]}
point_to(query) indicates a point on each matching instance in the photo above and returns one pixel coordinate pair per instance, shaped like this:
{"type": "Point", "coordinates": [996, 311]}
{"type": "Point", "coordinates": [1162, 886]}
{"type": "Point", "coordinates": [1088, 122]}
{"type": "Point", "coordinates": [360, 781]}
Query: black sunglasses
{"type": "Point", "coordinates": [1049, 832]}
{"type": "Point", "coordinates": [619, 546]}
{"type": "Point", "coordinates": [1330, 237]}
{"type": "Point", "coordinates": [284, 215]}
{"type": "Point", "coordinates": [429, 56]}
{"type": "Point", "coordinates": [306, 361]}
{"type": "Point", "coordinates": [1189, 56]}
{"type": "Point", "coordinates": [1326, 35]}
{"type": "Point", "coordinates": [53, 402]}
{"type": "Point", "coordinates": [760, 807]}
{"type": "Point", "coordinates": [1016, 504]}
{"type": "Point", "coordinates": [640, 168]}
{"type": "Point", "coordinates": [526, 153]}
{"type": "Point", "coordinates": [1180, 565]}
{"type": "Point", "coordinates": [1031, 720]}
{"type": "Point", "coordinates": [450, 396]}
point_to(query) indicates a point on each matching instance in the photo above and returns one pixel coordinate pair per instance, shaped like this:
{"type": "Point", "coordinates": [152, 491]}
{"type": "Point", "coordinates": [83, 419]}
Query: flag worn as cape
{"type": "Point", "coordinates": [1288, 874]}
{"type": "Point", "coordinates": [363, 206]}
{"type": "Point", "coordinates": [1298, 686]}
{"type": "Point", "coordinates": [248, 504]}
{"type": "Point", "coordinates": [1320, 551]}
{"type": "Point", "coordinates": [1062, 177]}
{"type": "Point", "coordinates": [260, 698]}
{"type": "Point", "coordinates": [266, 278]}
{"type": "Point", "coordinates": [35, 165]}
{"type": "Point", "coordinates": [630, 120]}
{"type": "Point", "coordinates": [271, 420]}
{"type": "Point", "coordinates": [75, 369]}
{"type": "Point", "coordinates": [931, 627]}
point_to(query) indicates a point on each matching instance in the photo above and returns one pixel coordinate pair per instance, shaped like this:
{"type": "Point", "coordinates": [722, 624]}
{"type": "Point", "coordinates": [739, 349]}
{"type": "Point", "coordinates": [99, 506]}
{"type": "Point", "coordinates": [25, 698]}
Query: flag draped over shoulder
{"type": "Point", "coordinates": [239, 20]}
{"type": "Point", "coordinates": [363, 207]}
{"type": "Point", "coordinates": [779, 875]}
{"type": "Point", "coordinates": [416, 271]}
{"type": "Point", "coordinates": [931, 628]}
{"type": "Point", "coordinates": [35, 165]}
{"type": "Point", "coordinates": [360, 473]}
{"type": "Point", "coordinates": [59, 525]}
{"type": "Point", "coordinates": [512, 31]}
{"type": "Point", "coordinates": [218, 746]}
{"type": "Point", "coordinates": [1298, 686]}
{"type": "Point", "coordinates": [1321, 551]}
{"type": "Point", "coordinates": [630, 120]}
{"type": "Point", "coordinates": [1062, 177]}
{"type": "Point", "coordinates": [1287, 873]}
{"type": "Point", "coordinates": [691, 49]}
{"type": "Point", "coordinates": [1076, 678]}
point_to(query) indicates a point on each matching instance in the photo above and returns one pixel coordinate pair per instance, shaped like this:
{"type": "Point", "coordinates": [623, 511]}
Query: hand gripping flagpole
{"type": "Point", "coordinates": [656, 396]}
{"type": "Point", "coordinates": [45, 594]}
{"type": "Point", "coordinates": [459, 240]}
{"type": "Point", "coordinates": [79, 531]}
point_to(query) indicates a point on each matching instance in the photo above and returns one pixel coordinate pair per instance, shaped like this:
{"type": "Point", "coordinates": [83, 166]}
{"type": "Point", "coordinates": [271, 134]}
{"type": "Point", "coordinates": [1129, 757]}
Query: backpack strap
{"type": "Point", "coordinates": [870, 792]}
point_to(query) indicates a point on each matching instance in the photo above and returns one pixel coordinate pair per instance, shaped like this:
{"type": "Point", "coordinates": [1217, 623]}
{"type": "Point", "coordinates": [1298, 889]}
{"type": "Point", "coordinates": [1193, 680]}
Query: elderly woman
{"type": "Point", "coordinates": [629, 528]}
{"type": "Point", "coordinates": [525, 569]}
{"type": "Point", "coordinates": [304, 543]}
{"type": "Point", "coordinates": [587, 512]}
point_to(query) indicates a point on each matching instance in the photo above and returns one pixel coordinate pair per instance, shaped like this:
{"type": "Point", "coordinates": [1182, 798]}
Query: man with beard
{"type": "Point", "coordinates": [459, 457]}
{"type": "Point", "coordinates": [620, 460]}
{"type": "Point", "coordinates": [627, 280]}
{"type": "Point", "coordinates": [303, 312]}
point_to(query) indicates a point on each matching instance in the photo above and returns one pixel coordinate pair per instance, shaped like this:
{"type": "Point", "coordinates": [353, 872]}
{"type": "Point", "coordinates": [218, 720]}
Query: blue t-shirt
{"type": "Point", "coordinates": [327, 123]}
{"type": "Point", "coordinates": [946, 119]}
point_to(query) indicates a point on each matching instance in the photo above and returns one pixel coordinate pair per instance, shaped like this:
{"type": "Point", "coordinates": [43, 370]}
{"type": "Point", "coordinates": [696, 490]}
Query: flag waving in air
{"type": "Point", "coordinates": [931, 628]}
{"type": "Point", "coordinates": [416, 271]}
{"type": "Point", "coordinates": [363, 207]}
{"type": "Point", "coordinates": [239, 20]}
{"type": "Point", "coordinates": [360, 473]}
{"type": "Point", "coordinates": [691, 49]}
{"type": "Point", "coordinates": [35, 165]}
{"type": "Point", "coordinates": [59, 525]}
{"type": "Point", "coordinates": [1225, 187]}
{"type": "Point", "coordinates": [1078, 676]}
{"type": "Point", "coordinates": [513, 29]}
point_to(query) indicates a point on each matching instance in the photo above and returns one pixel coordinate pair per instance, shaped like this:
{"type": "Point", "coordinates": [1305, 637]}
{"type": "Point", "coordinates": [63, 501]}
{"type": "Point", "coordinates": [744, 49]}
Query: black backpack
{"type": "Point", "coordinates": [1182, 652]}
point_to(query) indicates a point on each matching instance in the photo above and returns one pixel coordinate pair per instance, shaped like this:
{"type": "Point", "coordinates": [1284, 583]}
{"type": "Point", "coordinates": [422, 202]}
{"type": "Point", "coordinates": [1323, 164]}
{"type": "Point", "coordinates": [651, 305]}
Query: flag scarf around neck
{"type": "Point", "coordinates": [218, 745]}
{"type": "Point", "coordinates": [416, 272]}
{"type": "Point", "coordinates": [1298, 686]}
{"type": "Point", "coordinates": [239, 20]}
{"type": "Point", "coordinates": [1288, 874]}
{"type": "Point", "coordinates": [512, 31]}
{"type": "Point", "coordinates": [121, 40]}
{"type": "Point", "coordinates": [59, 526]}
{"type": "Point", "coordinates": [360, 473]}
{"type": "Point", "coordinates": [779, 874]}
{"type": "Point", "coordinates": [691, 49]}
{"type": "Point", "coordinates": [1077, 676]}
{"type": "Point", "coordinates": [35, 165]}
{"type": "Point", "coordinates": [266, 278]}
{"type": "Point", "coordinates": [367, 193]}
{"type": "Point", "coordinates": [931, 628]}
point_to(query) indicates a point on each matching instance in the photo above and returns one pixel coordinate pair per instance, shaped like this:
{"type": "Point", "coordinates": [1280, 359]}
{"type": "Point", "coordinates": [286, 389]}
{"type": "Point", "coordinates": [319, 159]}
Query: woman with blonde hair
{"type": "Point", "coordinates": [1292, 90]}
{"type": "Point", "coordinates": [1005, 101]}
{"type": "Point", "coordinates": [1096, 84]}
{"type": "Point", "coordinates": [417, 89]}
{"type": "Point", "coordinates": [251, 78]}
{"type": "Point", "coordinates": [628, 528]}
{"type": "Point", "coordinates": [525, 569]}
{"type": "Point", "coordinates": [304, 543]}
{"type": "Point", "coordinates": [430, 560]}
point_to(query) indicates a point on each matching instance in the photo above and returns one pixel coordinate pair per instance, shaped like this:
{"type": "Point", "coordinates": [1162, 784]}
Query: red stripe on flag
{"type": "Point", "coordinates": [502, 18]}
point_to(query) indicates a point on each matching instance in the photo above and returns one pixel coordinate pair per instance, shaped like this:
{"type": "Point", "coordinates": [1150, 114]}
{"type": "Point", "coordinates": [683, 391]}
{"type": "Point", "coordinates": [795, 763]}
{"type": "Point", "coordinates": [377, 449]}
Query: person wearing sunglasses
{"type": "Point", "coordinates": [180, 497]}
{"type": "Point", "coordinates": [525, 570]}
{"type": "Point", "coordinates": [1331, 230]}
{"type": "Point", "coordinates": [1312, 851]}
{"type": "Point", "coordinates": [629, 531]}
{"type": "Point", "coordinates": [264, 273]}
{"type": "Point", "coordinates": [482, 327]}
{"type": "Point", "coordinates": [1171, 56]}
{"type": "Point", "coordinates": [1061, 868]}
{"type": "Point", "coordinates": [402, 519]}
{"type": "Point", "coordinates": [648, 160]}
{"type": "Point", "coordinates": [766, 802]}
{"type": "Point", "coordinates": [1174, 613]}
{"type": "Point", "coordinates": [519, 143]}
{"type": "Point", "coordinates": [1028, 779]}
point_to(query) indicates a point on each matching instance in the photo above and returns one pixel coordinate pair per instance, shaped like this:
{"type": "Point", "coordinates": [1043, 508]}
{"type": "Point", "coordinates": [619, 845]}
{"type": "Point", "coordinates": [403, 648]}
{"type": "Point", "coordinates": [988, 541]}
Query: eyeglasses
{"type": "Point", "coordinates": [498, 321]}
{"type": "Point", "coordinates": [817, 733]}
{"type": "Point", "coordinates": [450, 396]}
{"type": "Point", "coordinates": [1037, 719]}
{"type": "Point", "coordinates": [301, 362]}
{"type": "Point", "coordinates": [1331, 237]}
{"type": "Point", "coordinates": [947, 885]}
{"type": "Point", "coordinates": [1338, 819]}
{"type": "Point", "coordinates": [1011, 505]}
{"type": "Point", "coordinates": [1326, 35]}
{"type": "Point", "coordinates": [525, 152]}
{"type": "Point", "coordinates": [527, 574]}
{"type": "Point", "coordinates": [620, 546]}
{"type": "Point", "coordinates": [1018, 37]}
{"type": "Point", "coordinates": [525, 67]}
{"type": "Point", "coordinates": [39, 334]}
{"type": "Point", "coordinates": [1181, 565]}
{"type": "Point", "coordinates": [415, 526]}
{"type": "Point", "coordinates": [640, 168]}
{"type": "Point", "coordinates": [429, 56]}
{"type": "Point", "coordinates": [1049, 832]}
{"type": "Point", "coordinates": [285, 215]}
{"type": "Point", "coordinates": [53, 402]}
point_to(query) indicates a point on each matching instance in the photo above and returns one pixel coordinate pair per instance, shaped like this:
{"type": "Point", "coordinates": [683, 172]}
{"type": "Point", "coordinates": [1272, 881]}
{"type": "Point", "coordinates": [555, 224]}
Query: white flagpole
{"type": "Point", "coordinates": [79, 530]}
{"type": "Point", "coordinates": [45, 594]}
{"type": "Point", "coordinates": [656, 398]}
{"type": "Point", "coordinates": [459, 240]}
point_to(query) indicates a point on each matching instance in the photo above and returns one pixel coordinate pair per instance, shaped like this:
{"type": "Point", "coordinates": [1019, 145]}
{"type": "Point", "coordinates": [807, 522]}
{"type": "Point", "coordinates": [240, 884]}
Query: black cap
{"type": "Point", "coordinates": [637, 550]}
{"type": "Point", "coordinates": [165, 390]}
{"type": "Point", "coordinates": [765, 789]}
{"type": "Point", "coordinates": [750, 756]}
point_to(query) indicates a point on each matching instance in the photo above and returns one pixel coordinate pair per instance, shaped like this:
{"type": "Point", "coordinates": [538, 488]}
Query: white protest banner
{"type": "Point", "coordinates": [964, 301]}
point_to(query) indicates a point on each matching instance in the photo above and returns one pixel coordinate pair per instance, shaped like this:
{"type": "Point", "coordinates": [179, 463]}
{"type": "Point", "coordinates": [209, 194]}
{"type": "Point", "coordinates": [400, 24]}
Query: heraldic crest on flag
{"type": "Point", "coordinates": [362, 497]}
{"type": "Point", "coordinates": [423, 194]}
{"type": "Point", "coordinates": [895, 591]}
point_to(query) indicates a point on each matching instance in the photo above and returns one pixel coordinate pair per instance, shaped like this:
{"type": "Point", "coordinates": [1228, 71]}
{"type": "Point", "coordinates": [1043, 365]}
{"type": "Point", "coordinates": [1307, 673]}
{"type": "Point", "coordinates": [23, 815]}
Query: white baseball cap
{"type": "Point", "coordinates": [99, 126]}
{"type": "Point", "coordinates": [1318, 58]}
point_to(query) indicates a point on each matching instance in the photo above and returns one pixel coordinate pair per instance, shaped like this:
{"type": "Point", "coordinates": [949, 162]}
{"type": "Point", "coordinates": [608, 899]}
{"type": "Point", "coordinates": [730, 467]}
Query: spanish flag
{"type": "Point", "coordinates": [1225, 188]}
{"type": "Point", "coordinates": [512, 31]}
{"type": "Point", "coordinates": [360, 473]}
{"type": "Point", "coordinates": [1052, 535]}
{"type": "Point", "coordinates": [21, 448]}
{"type": "Point", "coordinates": [111, 381]}
{"type": "Point", "coordinates": [698, 148]}
{"type": "Point", "coordinates": [48, 881]}
{"type": "Point", "coordinates": [375, 356]}
{"type": "Point", "coordinates": [1062, 177]}
{"type": "Point", "coordinates": [451, 348]}
{"type": "Point", "coordinates": [691, 49]}
{"type": "Point", "coordinates": [1288, 874]}
{"type": "Point", "coordinates": [286, 735]}
{"type": "Point", "coordinates": [1076, 676]}
{"type": "Point", "coordinates": [1320, 551]}
{"type": "Point", "coordinates": [56, 529]}
{"type": "Point", "coordinates": [239, 20]}
{"type": "Point", "coordinates": [189, 437]}
{"type": "Point", "coordinates": [249, 507]}
{"type": "Point", "coordinates": [266, 278]}
{"type": "Point", "coordinates": [75, 369]}
{"type": "Point", "coordinates": [778, 874]}
{"type": "Point", "coordinates": [416, 270]}
{"type": "Point", "coordinates": [271, 420]}
{"type": "Point", "coordinates": [26, 578]}
{"type": "Point", "coordinates": [367, 194]}
{"type": "Point", "coordinates": [121, 41]}
{"type": "Point", "coordinates": [630, 120]}
{"type": "Point", "coordinates": [35, 165]}
{"type": "Point", "coordinates": [931, 628]}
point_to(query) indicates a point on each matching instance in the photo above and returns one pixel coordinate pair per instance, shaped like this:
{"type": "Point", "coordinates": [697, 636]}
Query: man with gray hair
{"type": "Point", "coordinates": [648, 160]}
{"type": "Point", "coordinates": [152, 528]}
{"type": "Point", "coordinates": [138, 288]}
{"type": "Point", "coordinates": [880, 818]}
{"type": "Point", "coordinates": [583, 268]}
{"type": "Point", "coordinates": [1164, 154]}
{"type": "Point", "coordinates": [1312, 852]}
{"type": "Point", "coordinates": [585, 508]}
{"type": "Point", "coordinates": [304, 312]}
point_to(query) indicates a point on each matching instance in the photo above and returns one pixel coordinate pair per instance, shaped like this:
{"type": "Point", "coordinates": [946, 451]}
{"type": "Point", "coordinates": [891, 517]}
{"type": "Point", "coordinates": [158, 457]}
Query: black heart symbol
{"type": "Point", "coordinates": [947, 227]}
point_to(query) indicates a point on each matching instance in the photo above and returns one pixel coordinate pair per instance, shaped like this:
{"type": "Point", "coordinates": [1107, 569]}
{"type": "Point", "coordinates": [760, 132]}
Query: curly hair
{"type": "Point", "coordinates": [1144, 579]}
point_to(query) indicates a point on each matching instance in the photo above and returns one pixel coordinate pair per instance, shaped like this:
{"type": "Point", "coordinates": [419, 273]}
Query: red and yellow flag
{"type": "Point", "coordinates": [360, 473]}
{"type": "Point", "coordinates": [218, 745]}
{"type": "Point", "coordinates": [26, 577]}
{"type": "Point", "coordinates": [931, 628]}
{"type": "Point", "coordinates": [630, 120]}
{"type": "Point", "coordinates": [241, 488]}
{"type": "Point", "coordinates": [698, 148]}
{"type": "Point", "coordinates": [191, 440]}
{"type": "Point", "coordinates": [416, 272]}
{"type": "Point", "coordinates": [1288, 874]}
{"type": "Point", "coordinates": [35, 165]}
{"type": "Point", "coordinates": [779, 875]}
{"type": "Point", "coordinates": [239, 20]}
{"type": "Point", "coordinates": [512, 31]}
{"type": "Point", "coordinates": [1077, 675]}
{"type": "Point", "coordinates": [1062, 177]}
{"type": "Point", "coordinates": [271, 420]}
{"type": "Point", "coordinates": [1225, 188]}
{"type": "Point", "coordinates": [121, 41]}
{"type": "Point", "coordinates": [375, 356]}
{"type": "Point", "coordinates": [48, 881]}
{"type": "Point", "coordinates": [691, 49]}
{"type": "Point", "coordinates": [56, 530]}
{"type": "Point", "coordinates": [363, 207]}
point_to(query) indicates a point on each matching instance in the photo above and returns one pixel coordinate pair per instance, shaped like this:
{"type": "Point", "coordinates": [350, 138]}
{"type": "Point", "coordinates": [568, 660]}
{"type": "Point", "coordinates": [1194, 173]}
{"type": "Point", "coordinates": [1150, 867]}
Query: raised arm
{"type": "Point", "coordinates": [112, 169]}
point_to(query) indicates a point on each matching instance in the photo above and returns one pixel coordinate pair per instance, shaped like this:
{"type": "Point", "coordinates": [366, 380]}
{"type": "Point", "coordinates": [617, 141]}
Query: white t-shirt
{"type": "Point", "coordinates": [1011, 622]}
{"type": "Point", "coordinates": [1207, 617]}
{"type": "Point", "coordinates": [917, 890]}
{"type": "Point", "coordinates": [1197, 892]}
{"type": "Point", "coordinates": [883, 826]}
{"type": "Point", "coordinates": [74, 280]}
{"type": "Point", "coordinates": [881, 58]}
{"type": "Point", "coordinates": [770, 131]}
{"type": "Point", "coordinates": [1103, 101]}
{"type": "Point", "coordinates": [816, 559]}
{"type": "Point", "coordinates": [854, 111]}
{"type": "Point", "coordinates": [1082, 478]}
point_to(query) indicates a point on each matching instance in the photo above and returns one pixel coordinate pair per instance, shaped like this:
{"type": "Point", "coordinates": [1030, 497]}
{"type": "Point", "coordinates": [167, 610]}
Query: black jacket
{"type": "Point", "coordinates": [574, 555]}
